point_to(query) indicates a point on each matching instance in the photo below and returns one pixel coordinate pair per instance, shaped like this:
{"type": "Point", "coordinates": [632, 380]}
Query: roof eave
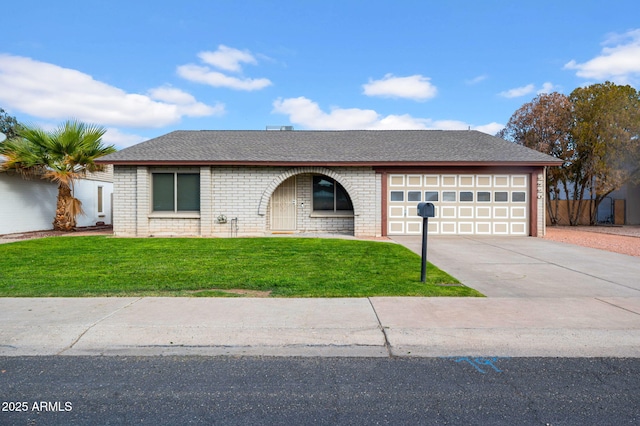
{"type": "Point", "coordinates": [330, 163]}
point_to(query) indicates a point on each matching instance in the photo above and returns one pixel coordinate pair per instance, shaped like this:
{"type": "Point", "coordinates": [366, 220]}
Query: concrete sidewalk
{"type": "Point", "coordinates": [375, 327]}
{"type": "Point", "coordinates": [544, 299]}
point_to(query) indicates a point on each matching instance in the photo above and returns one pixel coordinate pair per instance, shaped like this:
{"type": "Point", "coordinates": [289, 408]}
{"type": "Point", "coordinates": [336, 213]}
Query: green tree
{"type": "Point", "coordinates": [61, 156]}
{"type": "Point", "coordinates": [606, 130]}
{"type": "Point", "coordinates": [544, 125]}
{"type": "Point", "coordinates": [8, 125]}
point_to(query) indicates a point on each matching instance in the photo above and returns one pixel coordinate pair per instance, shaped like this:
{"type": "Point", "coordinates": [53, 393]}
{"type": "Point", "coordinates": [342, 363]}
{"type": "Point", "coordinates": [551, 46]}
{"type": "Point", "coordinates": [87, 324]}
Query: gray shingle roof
{"type": "Point", "coordinates": [366, 147]}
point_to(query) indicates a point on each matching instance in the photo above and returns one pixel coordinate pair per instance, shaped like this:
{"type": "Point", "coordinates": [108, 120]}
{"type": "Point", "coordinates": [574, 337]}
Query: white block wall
{"type": "Point", "coordinates": [26, 205]}
{"type": "Point", "coordinates": [242, 193]}
{"type": "Point", "coordinates": [30, 205]}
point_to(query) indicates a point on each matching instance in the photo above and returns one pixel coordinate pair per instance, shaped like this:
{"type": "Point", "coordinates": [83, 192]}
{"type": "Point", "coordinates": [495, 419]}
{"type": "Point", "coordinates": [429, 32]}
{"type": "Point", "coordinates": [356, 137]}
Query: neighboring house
{"type": "Point", "coordinates": [621, 207]}
{"type": "Point", "coordinates": [30, 205]}
{"type": "Point", "coordinates": [365, 183]}
{"type": "Point", "coordinates": [95, 191]}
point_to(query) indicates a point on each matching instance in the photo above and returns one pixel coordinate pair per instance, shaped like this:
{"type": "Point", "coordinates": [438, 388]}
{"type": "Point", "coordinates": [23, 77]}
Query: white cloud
{"type": "Point", "coordinates": [121, 140]}
{"type": "Point", "coordinates": [205, 75]}
{"type": "Point", "coordinates": [414, 87]}
{"type": "Point", "coordinates": [308, 114]}
{"type": "Point", "coordinates": [490, 129]}
{"type": "Point", "coordinates": [185, 103]}
{"type": "Point", "coordinates": [518, 91]}
{"type": "Point", "coordinates": [226, 59]}
{"type": "Point", "coordinates": [547, 87]}
{"type": "Point", "coordinates": [476, 80]}
{"type": "Point", "coordinates": [49, 91]}
{"type": "Point", "coordinates": [619, 63]}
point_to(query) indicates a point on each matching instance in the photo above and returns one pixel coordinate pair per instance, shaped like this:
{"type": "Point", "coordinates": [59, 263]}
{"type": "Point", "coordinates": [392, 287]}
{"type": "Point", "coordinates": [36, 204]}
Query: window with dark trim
{"type": "Point", "coordinates": [501, 196]}
{"type": "Point", "coordinates": [329, 195]}
{"type": "Point", "coordinates": [448, 196]}
{"type": "Point", "coordinates": [466, 196]}
{"type": "Point", "coordinates": [484, 196]}
{"type": "Point", "coordinates": [176, 192]}
{"type": "Point", "coordinates": [518, 196]}
{"type": "Point", "coordinates": [431, 195]}
{"type": "Point", "coordinates": [414, 195]}
{"type": "Point", "coordinates": [397, 195]}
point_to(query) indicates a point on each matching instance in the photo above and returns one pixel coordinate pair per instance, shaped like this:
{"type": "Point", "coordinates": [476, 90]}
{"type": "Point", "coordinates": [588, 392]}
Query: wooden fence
{"type": "Point", "coordinates": [563, 212]}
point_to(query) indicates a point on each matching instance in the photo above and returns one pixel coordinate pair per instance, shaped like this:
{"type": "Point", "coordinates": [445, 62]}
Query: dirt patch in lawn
{"type": "Point", "coordinates": [235, 291]}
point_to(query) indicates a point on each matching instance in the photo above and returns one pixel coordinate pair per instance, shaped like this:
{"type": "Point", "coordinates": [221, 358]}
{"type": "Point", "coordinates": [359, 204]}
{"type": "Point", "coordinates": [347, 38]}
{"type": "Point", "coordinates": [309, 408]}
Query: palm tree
{"type": "Point", "coordinates": [61, 156]}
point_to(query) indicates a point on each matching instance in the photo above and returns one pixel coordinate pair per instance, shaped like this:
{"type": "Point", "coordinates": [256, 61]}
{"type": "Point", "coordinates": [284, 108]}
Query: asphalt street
{"type": "Point", "coordinates": [321, 391]}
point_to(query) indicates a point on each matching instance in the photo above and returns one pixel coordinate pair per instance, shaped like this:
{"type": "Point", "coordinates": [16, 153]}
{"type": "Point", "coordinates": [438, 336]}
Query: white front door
{"type": "Point", "coordinates": [283, 206]}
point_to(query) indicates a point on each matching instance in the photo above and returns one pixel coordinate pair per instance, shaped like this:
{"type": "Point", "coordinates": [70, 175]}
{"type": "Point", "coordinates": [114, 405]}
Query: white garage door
{"type": "Point", "coordinates": [464, 204]}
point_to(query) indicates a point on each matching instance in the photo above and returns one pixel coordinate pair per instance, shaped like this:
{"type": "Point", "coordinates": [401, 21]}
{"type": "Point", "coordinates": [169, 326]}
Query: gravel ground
{"type": "Point", "coordinates": [618, 239]}
{"type": "Point", "coordinates": [89, 230]}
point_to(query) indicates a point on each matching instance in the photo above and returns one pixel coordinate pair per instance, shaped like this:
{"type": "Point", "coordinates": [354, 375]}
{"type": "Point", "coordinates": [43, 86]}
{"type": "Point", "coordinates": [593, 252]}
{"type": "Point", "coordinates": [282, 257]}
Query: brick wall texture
{"type": "Point", "coordinates": [244, 194]}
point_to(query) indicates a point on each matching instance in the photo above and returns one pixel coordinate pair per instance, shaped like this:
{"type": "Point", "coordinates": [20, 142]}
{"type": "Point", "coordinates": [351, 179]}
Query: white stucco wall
{"type": "Point", "coordinates": [26, 205]}
{"type": "Point", "coordinates": [30, 205]}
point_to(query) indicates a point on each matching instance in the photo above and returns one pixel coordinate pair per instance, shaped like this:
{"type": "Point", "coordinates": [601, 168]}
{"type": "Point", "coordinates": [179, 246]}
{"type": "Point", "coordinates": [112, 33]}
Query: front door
{"type": "Point", "coordinates": [283, 206]}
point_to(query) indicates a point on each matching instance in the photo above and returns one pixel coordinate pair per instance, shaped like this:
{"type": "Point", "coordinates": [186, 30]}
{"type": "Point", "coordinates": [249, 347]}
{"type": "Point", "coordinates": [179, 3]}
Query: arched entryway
{"type": "Point", "coordinates": [311, 202]}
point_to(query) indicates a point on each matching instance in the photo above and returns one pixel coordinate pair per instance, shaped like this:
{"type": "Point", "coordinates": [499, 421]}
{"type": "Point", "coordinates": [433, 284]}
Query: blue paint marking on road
{"type": "Point", "coordinates": [479, 363]}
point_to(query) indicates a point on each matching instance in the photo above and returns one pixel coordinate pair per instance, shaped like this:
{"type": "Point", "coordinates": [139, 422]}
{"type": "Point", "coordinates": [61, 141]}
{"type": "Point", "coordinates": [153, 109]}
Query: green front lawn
{"type": "Point", "coordinates": [280, 267]}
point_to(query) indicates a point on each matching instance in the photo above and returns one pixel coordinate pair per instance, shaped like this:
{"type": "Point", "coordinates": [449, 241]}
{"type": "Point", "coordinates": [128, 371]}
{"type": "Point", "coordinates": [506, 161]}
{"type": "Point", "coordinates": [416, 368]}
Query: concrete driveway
{"type": "Point", "coordinates": [531, 267]}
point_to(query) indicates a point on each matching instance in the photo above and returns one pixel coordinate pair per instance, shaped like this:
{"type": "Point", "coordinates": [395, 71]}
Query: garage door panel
{"type": "Point", "coordinates": [500, 228]}
{"type": "Point", "coordinates": [396, 180]}
{"type": "Point", "coordinates": [449, 181]}
{"type": "Point", "coordinates": [412, 211]}
{"type": "Point", "coordinates": [483, 212]}
{"type": "Point", "coordinates": [465, 212]}
{"type": "Point", "coordinates": [448, 227]}
{"type": "Point", "coordinates": [448, 212]}
{"type": "Point", "coordinates": [518, 228]}
{"type": "Point", "coordinates": [482, 204]}
{"type": "Point", "coordinates": [396, 227]}
{"type": "Point", "coordinates": [414, 180]}
{"type": "Point", "coordinates": [483, 181]}
{"type": "Point", "coordinates": [518, 212]}
{"type": "Point", "coordinates": [483, 228]}
{"type": "Point", "coordinates": [433, 227]}
{"type": "Point", "coordinates": [518, 181]}
{"type": "Point", "coordinates": [501, 212]}
{"type": "Point", "coordinates": [396, 211]}
{"type": "Point", "coordinates": [465, 228]}
{"type": "Point", "coordinates": [467, 181]}
{"type": "Point", "coordinates": [414, 227]}
{"type": "Point", "coordinates": [501, 181]}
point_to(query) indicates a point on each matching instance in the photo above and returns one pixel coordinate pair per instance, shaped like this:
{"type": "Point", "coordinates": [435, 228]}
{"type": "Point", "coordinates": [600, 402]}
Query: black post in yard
{"type": "Point", "coordinates": [425, 211]}
{"type": "Point", "coordinates": [423, 273]}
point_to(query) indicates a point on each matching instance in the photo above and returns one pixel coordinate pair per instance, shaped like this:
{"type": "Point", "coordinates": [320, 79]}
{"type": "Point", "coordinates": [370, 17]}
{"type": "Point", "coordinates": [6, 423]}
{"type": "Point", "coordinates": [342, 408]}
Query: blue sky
{"type": "Point", "coordinates": [145, 68]}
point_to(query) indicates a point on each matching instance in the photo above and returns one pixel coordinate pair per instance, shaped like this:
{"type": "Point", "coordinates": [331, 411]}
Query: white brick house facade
{"type": "Point", "coordinates": [362, 183]}
{"type": "Point", "coordinates": [243, 193]}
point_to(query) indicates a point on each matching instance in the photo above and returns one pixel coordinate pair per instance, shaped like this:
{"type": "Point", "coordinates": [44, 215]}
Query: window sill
{"type": "Point", "coordinates": [320, 213]}
{"type": "Point", "coordinates": [174, 215]}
